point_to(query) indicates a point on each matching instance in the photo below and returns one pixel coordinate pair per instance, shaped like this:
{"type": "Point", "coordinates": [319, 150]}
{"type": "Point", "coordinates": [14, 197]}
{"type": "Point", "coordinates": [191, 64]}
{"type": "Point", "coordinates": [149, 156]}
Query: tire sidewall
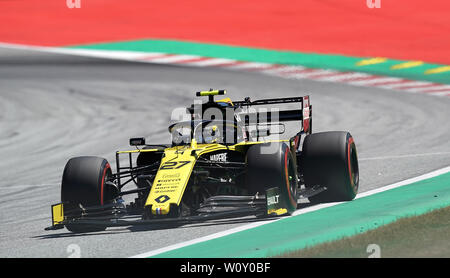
{"type": "Point", "coordinates": [330, 159]}
{"type": "Point", "coordinates": [267, 169]}
{"type": "Point", "coordinates": [83, 183]}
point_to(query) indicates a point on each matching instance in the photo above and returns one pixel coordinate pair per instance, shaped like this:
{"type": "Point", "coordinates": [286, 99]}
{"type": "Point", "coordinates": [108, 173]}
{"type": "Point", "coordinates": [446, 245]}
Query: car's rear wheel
{"type": "Point", "coordinates": [272, 165]}
{"type": "Point", "coordinates": [330, 159]}
{"type": "Point", "coordinates": [83, 183]}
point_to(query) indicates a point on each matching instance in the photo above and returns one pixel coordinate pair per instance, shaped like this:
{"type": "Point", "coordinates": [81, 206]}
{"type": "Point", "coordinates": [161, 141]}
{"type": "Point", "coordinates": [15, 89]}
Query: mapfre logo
{"type": "Point", "coordinates": [220, 157]}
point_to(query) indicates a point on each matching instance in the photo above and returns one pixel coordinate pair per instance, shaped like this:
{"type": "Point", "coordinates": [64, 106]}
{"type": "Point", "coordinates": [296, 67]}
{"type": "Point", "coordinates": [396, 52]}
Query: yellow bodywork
{"type": "Point", "coordinates": [139, 151]}
{"type": "Point", "coordinates": [280, 211]}
{"type": "Point", "coordinates": [211, 93]}
{"type": "Point", "coordinates": [175, 170]}
{"type": "Point", "coordinates": [174, 173]}
{"type": "Point", "coordinates": [57, 214]}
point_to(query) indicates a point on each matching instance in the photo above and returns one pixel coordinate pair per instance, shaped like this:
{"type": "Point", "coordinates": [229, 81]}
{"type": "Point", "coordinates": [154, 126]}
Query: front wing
{"type": "Point", "coordinates": [217, 207]}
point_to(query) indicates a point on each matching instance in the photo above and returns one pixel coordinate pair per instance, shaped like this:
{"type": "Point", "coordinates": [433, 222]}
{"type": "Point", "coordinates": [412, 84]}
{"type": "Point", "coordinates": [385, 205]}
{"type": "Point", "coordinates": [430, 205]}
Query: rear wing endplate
{"type": "Point", "coordinates": [303, 114]}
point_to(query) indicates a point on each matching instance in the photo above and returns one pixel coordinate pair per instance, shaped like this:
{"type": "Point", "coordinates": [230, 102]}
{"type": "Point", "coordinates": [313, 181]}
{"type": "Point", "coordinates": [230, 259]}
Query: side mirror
{"type": "Point", "coordinates": [137, 141]}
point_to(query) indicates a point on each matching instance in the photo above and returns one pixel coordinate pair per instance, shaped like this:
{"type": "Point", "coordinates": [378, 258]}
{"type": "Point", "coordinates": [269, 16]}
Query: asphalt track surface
{"type": "Point", "coordinates": [54, 107]}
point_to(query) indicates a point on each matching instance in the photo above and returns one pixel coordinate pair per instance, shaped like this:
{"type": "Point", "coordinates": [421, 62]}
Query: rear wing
{"type": "Point", "coordinates": [251, 117]}
{"type": "Point", "coordinates": [304, 114]}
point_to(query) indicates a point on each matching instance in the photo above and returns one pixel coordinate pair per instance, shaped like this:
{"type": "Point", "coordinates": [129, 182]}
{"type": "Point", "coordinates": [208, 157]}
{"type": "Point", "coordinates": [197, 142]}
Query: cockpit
{"type": "Point", "coordinates": [207, 132]}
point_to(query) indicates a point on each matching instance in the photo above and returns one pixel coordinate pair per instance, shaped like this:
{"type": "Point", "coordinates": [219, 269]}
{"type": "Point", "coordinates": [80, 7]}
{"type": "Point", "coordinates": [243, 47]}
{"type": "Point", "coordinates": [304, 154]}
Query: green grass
{"type": "Point", "coordinates": [424, 236]}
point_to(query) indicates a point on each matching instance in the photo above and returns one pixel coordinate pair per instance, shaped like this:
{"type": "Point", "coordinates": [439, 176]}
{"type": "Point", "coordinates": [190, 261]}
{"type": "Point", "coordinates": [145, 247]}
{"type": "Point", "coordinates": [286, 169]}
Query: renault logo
{"type": "Point", "coordinates": [162, 199]}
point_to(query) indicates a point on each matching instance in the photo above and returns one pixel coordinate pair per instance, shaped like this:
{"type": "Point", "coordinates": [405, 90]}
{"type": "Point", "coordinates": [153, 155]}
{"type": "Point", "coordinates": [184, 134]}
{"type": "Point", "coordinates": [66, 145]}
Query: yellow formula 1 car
{"type": "Point", "coordinates": [221, 163]}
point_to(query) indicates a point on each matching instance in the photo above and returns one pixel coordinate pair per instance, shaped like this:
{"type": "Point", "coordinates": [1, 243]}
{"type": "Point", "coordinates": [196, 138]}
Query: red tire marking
{"type": "Point", "coordinates": [350, 142]}
{"type": "Point", "coordinates": [107, 166]}
{"type": "Point", "coordinates": [293, 202]}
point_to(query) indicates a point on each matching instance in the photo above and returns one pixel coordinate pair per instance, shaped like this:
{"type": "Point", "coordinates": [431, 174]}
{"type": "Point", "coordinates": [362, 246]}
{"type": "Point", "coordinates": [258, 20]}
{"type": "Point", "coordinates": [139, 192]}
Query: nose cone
{"type": "Point", "coordinates": [171, 179]}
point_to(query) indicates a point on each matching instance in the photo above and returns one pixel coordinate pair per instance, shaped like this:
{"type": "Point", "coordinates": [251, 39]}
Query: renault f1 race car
{"type": "Point", "coordinates": [220, 164]}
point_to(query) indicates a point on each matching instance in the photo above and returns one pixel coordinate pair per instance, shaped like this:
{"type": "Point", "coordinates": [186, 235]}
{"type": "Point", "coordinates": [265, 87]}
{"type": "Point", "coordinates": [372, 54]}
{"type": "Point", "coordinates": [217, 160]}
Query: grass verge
{"type": "Point", "coordinates": [423, 236]}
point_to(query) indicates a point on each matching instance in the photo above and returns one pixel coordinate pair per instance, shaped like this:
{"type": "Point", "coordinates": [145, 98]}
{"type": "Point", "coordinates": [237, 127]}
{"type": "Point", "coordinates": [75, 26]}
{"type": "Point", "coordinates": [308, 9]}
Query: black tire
{"type": "Point", "coordinates": [83, 183]}
{"type": "Point", "coordinates": [275, 167]}
{"type": "Point", "coordinates": [330, 159]}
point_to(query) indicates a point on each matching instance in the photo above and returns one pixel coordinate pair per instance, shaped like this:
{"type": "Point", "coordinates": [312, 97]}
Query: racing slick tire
{"type": "Point", "coordinates": [330, 159]}
{"type": "Point", "coordinates": [273, 165]}
{"type": "Point", "coordinates": [83, 183]}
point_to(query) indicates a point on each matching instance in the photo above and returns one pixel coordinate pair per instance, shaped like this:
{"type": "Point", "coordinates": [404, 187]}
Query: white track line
{"type": "Point", "coordinates": [355, 77]}
{"type": "Point", "coordinates": [320, 74]}
{"type": "Point", "coordinates": [211, 62]}
{"type": "Point", "coordinates": [297, 212]}
{"type": "Point", "coordinates": [439, 94]}
{"type": "Point", "coordinates": [202, 239]}
{"type": "Point", "coordinates": [170, 59]}
{"type": "Point", "coordinates": [283, 69]}
{"type": "Point", "coordinates": [343, 76]}
{"type": "Point", "coordinates": [11, 187]}
{"type": "Point", "coordinates": [437, 88]}
{"type": "Point", "coordinates": [404, 84]}
{"type": "Point", "coordinates": [405, 182]}
{"type": "Point", "coordinates": [250, 65]}
{"type": "Point", "coordinates": [403, 156]}
{"type": "Point", "coordinates": [306, 74]}
{"type": "Point", "coordinates": [116, 55]}
{"type": "Point", "coordinates": [369, 82]}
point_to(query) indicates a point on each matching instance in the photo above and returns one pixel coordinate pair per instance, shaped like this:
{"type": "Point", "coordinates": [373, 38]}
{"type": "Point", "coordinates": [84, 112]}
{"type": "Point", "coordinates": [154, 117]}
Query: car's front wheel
{"type": "Point", "coordinates": [83, 183]}
{"type": "Point", "coordinates": [272, 165]}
